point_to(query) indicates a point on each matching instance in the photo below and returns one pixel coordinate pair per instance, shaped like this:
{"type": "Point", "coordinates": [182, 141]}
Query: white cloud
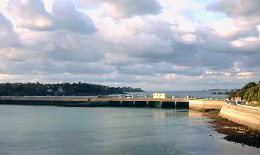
{"type": "Point", "coordinates": [3, 5]}
{"type": "Point", "coordinates": [30, 14]}
{"type": "Point", "coordinates": [189, 38]}
{"type": "Point", "coordinates": [246, 42]}
{"type": "Point", "coordinates": [258, 28]}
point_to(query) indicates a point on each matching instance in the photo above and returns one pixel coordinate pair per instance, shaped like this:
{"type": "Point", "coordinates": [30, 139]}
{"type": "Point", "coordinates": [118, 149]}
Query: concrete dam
{"type": "Point", "coordinates": [97, 102]}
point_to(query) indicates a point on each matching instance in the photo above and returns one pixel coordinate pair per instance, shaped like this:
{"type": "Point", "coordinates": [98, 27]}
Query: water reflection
{"type": "Point", "coordinates": [195, 114]}
{"type": "Point", "coordinates": [133, 131]}
{"type": "Point", "coordinates": [159, 115]}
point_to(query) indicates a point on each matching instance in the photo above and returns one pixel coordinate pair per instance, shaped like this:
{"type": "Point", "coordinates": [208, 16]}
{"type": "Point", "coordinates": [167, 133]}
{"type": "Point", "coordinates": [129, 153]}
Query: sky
{"type": "Point", "coordinates": [151, 44]}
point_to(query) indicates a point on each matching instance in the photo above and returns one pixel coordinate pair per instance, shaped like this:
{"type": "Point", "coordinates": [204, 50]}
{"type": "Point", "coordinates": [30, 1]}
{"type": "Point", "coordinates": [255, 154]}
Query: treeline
{"type": "Point", "coordinates": [59, 89]}
{"type": "Point", "coordinates": [250, 92]}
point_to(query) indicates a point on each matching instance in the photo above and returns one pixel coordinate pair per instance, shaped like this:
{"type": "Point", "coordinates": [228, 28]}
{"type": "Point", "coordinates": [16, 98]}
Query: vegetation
{"type": "Point", "coordinates": [250, 92]}
{"type": "Point", "coordinates": [67, 89]}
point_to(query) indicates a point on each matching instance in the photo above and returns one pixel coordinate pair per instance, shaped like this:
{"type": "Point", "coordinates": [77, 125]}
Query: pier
{"type": "Point", "coordinates": [97, 102]}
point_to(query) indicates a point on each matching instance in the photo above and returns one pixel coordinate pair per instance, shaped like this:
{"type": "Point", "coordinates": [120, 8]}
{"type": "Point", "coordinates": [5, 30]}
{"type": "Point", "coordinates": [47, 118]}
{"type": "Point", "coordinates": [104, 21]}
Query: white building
{"type": "Point", "coordinates": [159, 95]}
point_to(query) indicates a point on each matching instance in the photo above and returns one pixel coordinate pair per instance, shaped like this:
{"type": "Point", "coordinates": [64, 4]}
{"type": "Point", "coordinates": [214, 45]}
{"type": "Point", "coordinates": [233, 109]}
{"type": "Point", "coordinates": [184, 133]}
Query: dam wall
{"type": "Point", "coordinates": [245, 115]}
{"type": "Point", "coordinates": [96, 102]}
{"type": "Point", "coordinates": [206, 105]}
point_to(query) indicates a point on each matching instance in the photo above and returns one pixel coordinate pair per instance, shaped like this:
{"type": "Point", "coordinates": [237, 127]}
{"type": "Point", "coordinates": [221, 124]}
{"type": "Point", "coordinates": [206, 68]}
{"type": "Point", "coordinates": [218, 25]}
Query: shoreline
{"type": "Point", "coordinates": [233, 132]}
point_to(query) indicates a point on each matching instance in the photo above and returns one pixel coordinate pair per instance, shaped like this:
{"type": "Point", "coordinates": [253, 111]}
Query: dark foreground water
{"type": "Point", "coordinates": [26, 130]}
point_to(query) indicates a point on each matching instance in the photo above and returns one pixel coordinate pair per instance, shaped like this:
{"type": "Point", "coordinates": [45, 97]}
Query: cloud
{"type": "Point", "coordinates": [73, 48]}
{"type": "Point", "coordinates": [146, 46]}
{"type": "Point", "coordinates": [65, 16]}
{"type": "Point", "coordinates": [7, 36]}
{"type": "Point", "coordinates": [31, 14]}
{"type": "Point", "coordinates": [136, 7]}
{"type": "Point", "coordinates": [128, 8]}
{"type": "Point", "coordinates": [241, 9]}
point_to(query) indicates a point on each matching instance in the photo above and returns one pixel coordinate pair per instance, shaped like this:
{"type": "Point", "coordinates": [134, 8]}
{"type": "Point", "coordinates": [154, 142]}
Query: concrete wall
{"type": "Point", "coordinates": [205, 105]}
{"type": "Point", "coordinates": [96, 102]}
{"type": "Point", "coordinates": [156, 104]}
{"type": "Point", "coordinates": [245, 115]}
{"type": "Point", "coordinates": [168, 104]}
{"type": "Point", "coordinates": [253, 103]}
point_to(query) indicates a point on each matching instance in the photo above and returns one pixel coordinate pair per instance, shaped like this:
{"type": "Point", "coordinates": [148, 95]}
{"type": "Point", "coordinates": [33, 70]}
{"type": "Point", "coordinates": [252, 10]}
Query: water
{"type": "Point", "coordinates": [29, 130]}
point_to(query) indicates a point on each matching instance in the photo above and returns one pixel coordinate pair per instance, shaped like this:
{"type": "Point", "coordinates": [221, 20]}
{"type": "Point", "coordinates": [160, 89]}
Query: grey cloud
{"type": "Point", "coordinates": [65, 47]}
{"type": "Point", "coordinates": [196, 71]}
{"type": "Point", "coordinates": [136, 7]}
{"type": "Point", "coordinates": [73, 54]}
{"type": "Point", "coordinates": [140, 69]}
{"type": "Point", "coordinates": [65, 16]}
{"type": "Point", "coordinates": [215, 61]}
{"type": "Point", "coordinates": [121, 80]}
{"type": "Point", "coordinates": [8, 38]}
{"type": "Point", "coordinates": [42, 66]}
{"type": "Point", "coordinates": [251, 61]}
{"type": "Point", "coordinates": [129, 8]}
{"type": "Point", "coordinates": [68, 47]}
{"type": "Point", "coordinates": [50, 66]}
{"type": "Point", "coordinates": [156, 27]}
{"type": "Point", "coordinates": [18, 68]}
{"type": "Point", "coordinates": [212, 52]}
{"type": "Point", "coordinates": [158, 68]}
{"type": "Point", "coordinates": [32, 15]}
{"type": "Point", "coordinates": [206, 33]}
{"type": "Point", "coordinates": [66, 53]}
{"type": "Point", "coordinates": [146, 46]}
{"type": "Point", "coordinates": [248, 31]}
{"type": "Point", "coordinates": [248, 10]}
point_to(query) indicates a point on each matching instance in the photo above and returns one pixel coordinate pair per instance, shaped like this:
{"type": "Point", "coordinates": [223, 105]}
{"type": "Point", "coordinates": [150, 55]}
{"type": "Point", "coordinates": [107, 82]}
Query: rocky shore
{"type": "Point", "coordinates": [234, 132]}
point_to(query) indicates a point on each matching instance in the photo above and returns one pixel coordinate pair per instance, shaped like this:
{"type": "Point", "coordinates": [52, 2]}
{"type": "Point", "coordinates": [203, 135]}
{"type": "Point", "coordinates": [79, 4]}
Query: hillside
{"type": "Point", "coordinates": [250, 92]}
{"type": "Point", "coordinates": [67, 89]}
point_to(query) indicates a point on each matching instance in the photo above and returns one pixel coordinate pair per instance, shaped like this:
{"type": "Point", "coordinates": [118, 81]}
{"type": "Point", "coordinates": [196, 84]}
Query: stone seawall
{"type": "Point", "coordinates": [95, 102]}
{"type": "Point", "coordinates": [206, 105]}
{"type": "Point", "coordinates": [245, 115]}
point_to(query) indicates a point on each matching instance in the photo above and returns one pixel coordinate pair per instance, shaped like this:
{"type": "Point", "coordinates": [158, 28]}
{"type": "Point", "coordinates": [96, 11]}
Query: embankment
{"type": "Point", "coordinates": [95, 102]}
{"type": "Point", "coordinates": [245, 115]}
{"type": "Point", "coordinates": [233, 131]}
{"type": "Point", "coordinates": [206, 105]}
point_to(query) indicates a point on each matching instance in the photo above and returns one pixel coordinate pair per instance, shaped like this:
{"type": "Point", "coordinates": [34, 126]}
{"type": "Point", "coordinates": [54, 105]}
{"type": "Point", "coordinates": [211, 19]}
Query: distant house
{"type": "Point", "coordinates": [159, 95]}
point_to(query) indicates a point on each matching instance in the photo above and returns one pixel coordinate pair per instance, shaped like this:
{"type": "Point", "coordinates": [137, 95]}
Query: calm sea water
{"type": "Point", "coordinates": [30, 130]}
